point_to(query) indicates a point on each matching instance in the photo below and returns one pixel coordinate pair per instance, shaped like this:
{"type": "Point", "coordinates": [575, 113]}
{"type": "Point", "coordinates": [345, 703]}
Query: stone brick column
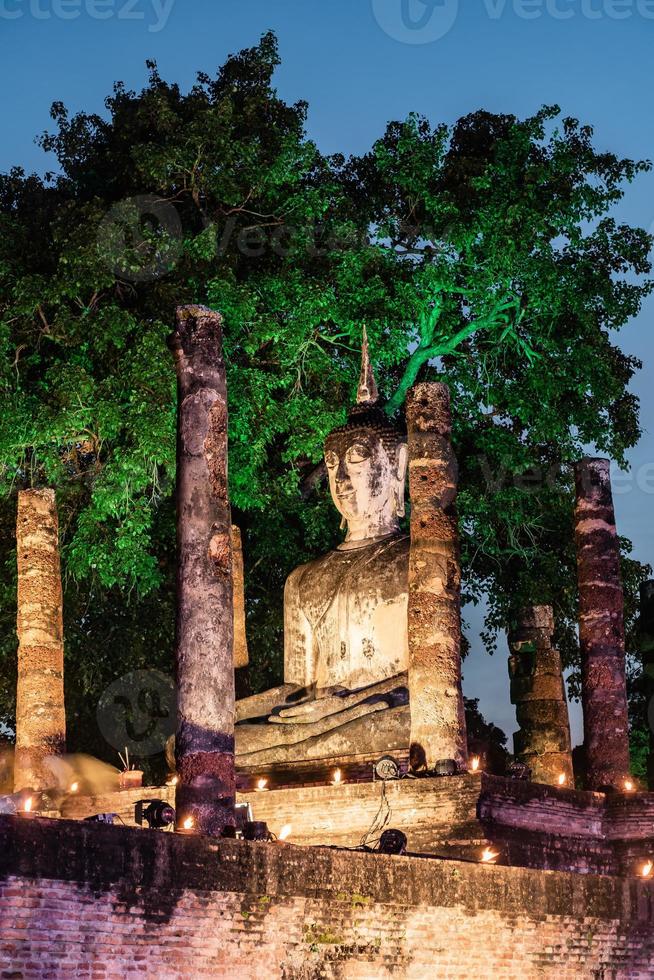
{"type": "Point", "coordinates": [538, 692]}
{"type": "Point", "coordinates": [438, 729]}
{"type": "Point", "coordinates": [40, 712]}
{"type": "Point", "coordinates": [205, 626]}
{"type": "Point", "coordinates": [601, 627]}
{"type": "Point", "coordinates": [646, 646]}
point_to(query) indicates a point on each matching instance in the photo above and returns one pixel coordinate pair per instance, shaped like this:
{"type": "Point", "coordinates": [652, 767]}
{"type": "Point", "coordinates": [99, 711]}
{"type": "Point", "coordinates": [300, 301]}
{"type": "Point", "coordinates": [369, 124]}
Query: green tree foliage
{"type": "Point", "coordinates": [483, 253]}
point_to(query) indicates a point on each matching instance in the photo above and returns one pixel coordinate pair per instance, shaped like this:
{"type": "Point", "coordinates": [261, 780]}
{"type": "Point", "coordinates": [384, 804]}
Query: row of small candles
{"type": "Point", "coordinates": [488, 856]}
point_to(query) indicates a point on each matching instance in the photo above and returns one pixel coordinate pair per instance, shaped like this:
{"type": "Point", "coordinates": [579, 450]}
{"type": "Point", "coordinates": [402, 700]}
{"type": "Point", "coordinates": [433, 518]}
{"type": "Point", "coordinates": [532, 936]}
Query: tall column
{"type": "Point", "coordinates": [538, 692]}
{"type": "Point", "coordinates": [646, 646]}
{"type": "Point", "coordinates": [601, 627]}
{"type": "Point", "coordinates": [40, 712]}
{"type": "Point", "coordinates": [205, 627]}
{"type": "Point", "coordinates": [241, 655]}
{"type": "Point", "coordinates": [438, 729]}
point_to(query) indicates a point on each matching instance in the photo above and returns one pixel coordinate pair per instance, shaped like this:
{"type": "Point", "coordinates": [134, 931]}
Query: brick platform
{"type": "Point", "coordinates": [90, 901]}
{"type": "Point", "coordinates": [530, 824]}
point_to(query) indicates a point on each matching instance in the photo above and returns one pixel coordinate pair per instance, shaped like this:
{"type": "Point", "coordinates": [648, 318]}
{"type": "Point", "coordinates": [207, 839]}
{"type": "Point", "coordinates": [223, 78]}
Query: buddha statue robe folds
{"type": "Point", "coordinates": [345, 614]}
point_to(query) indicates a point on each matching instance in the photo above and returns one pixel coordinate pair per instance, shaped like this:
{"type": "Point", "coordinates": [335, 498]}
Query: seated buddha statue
{"type": "Point", "coordinates": [345, 614]}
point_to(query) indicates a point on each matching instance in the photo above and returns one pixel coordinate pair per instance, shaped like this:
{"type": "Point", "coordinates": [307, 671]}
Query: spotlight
{"type": "Point", "coordinates": [446, 767]}
{"type": "Point", "coordinates": [101, 818]}
{"type": "Point", "coordinates": [156, 813]}
{"type": "Point", "coordinates": [244, 815]}
{"type": "Point", "coordinates": [256, 830]}
{"type": "Point", "coordinates": [518, 770]}
{"type": "Point", "coordinates": [387, 768]}
{"type": "Point", "coordinates": [392, 842]}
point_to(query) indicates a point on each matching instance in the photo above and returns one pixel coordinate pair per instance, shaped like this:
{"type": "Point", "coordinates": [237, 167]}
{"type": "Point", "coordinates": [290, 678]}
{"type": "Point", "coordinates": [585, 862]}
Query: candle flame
{"type": "Point", "coordinates": [74, 787]}
{"type": "Point", "coordinates": [261, 784]}
{"type": "Point", "coordinates": [488, 856]}
{"type": "Point", "coordinates": [285, 832]}
{"type": "Point", "coordinates": [647, 869]}
{"type": "Point", "coordinates": [474, 763]}
{"type": "Point", "coordinates": [562, 779]}
{"type": "Point", "coordinates": [629, 785]}
{"type": "Point", "coordinates": [188, 823]}
{"type": "Point", "coordinates": [27, 806]}
{"type": "Point", "coordinates": [337, 778]}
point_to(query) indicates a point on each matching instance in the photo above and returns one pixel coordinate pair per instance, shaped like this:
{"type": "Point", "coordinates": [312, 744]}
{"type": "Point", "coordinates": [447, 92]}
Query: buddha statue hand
{"type": "Point", "coordinates": [334, 700]}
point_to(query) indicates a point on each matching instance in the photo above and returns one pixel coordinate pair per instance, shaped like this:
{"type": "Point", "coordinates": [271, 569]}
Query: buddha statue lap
{"type": "Point", "coordinates": [345, 614]}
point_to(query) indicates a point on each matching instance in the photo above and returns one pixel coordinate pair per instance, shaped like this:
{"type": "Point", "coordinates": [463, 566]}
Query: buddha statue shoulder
{"type": "Point", "coordinates": [345, 613]}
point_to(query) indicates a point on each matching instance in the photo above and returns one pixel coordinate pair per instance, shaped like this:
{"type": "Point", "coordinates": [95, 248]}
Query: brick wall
{"type": "Point", "coordinates": [80, 900]}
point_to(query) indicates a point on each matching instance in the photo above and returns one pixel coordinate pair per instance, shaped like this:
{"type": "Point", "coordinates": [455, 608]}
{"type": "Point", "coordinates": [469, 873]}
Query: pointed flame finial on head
{"type": "Point", "coordinates": [367, 393]}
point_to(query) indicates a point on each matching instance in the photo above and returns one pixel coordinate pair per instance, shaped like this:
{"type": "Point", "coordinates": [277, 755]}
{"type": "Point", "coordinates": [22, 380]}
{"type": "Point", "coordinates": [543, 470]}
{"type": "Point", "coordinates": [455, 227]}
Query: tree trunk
{"type": "Point", "coordinates": [40, 712]}
{"type": "Point", "coordinates": [538, 691]}
{"type": "Point", "coordinates": [601, 628]}
{"type": "Point", "coordinates": [438, 729]}
{"type": "Point", "coordinates": [646, 645]}
{"type": "Point", "coordinates": [205, 626]}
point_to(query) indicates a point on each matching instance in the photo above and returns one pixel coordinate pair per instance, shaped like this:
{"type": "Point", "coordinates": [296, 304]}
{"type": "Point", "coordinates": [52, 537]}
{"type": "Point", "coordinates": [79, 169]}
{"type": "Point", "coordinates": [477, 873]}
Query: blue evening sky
{"type": "Point", "coordinates": [360, 63]}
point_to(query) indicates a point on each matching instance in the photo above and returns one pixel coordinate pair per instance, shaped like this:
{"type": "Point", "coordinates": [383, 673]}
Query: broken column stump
{"type": "Point", "coordinates": [538, 692]}
{"type": "Point", "coordinates": [438, 729]}
{"type": "Point", "coordinates": [40, 712]}
{"type": "Point", "coordinates": [204, 743]}
{"type": "Point", "coordinates": [646, 647]}
{"type": "Point", "coordinates": [601, 628]}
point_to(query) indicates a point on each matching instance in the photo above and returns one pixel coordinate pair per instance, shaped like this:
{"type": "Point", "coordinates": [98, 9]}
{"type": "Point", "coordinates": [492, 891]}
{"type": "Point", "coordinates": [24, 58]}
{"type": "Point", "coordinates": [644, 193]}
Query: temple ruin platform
{"type": "Point", "coordinates": [527, 824]}
{"type": "Point", "coordinates": [90, 900]}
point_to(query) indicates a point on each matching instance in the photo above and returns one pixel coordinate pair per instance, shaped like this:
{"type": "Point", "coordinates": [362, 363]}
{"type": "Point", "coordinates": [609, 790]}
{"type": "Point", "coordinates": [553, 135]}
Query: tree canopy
{"type": "Point", "coordinates": [483, 253]}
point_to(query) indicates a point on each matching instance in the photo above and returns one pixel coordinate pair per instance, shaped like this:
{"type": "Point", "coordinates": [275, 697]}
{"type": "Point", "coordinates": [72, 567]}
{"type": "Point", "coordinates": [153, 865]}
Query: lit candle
{"type": "Point", "coordinates": [562, 779]}
{"type": "Point", "coordinates": [27, 805]}
{"type": "Point", "coordinates": [488, 856]}
{"type": "Point", "coordinates": [74, 787]}
{"type": "Point", "coordinates": [629, 785]}
{"type": "Point", "coordinates": [261, 785]}
{"type": "Point", "coordinates": [337, 778]}
{"type": "Point", "coordinates": [647, 868]}
{"type": "Point", "coordinates": [474, 763]}
{"type": "Point", "coordinates": [188, 824]}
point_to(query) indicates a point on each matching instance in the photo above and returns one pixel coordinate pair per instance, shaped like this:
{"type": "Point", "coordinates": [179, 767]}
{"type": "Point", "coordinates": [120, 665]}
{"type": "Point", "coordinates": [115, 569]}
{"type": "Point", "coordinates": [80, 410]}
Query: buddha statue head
{"type": "Point", "coordinates": [366, 463]}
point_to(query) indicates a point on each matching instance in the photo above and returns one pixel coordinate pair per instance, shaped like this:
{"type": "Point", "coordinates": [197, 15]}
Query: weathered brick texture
{"type": "Point", "coordinates": [101, 902]}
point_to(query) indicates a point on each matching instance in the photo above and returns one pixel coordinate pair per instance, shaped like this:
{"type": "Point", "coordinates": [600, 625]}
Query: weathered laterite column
{"type": "Point", "coordinates": [538, 692]}
{"type": "Point", "coordinates": [646, 646]}
{"type": "Point", "coordinates": [241, 655]}
{"type": "Point", "coordinates": [438, 729]}
{"type": "Point", "coordinates": [601, 627]}
{"type": "Point", "coordinates": [204, 743]}
{"type": "Point", "coordinates": [40, 712]}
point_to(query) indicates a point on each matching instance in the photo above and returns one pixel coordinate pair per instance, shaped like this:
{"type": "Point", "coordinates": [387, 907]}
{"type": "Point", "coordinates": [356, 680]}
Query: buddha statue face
{"type": "Point", "coordinates": [367, 473]}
